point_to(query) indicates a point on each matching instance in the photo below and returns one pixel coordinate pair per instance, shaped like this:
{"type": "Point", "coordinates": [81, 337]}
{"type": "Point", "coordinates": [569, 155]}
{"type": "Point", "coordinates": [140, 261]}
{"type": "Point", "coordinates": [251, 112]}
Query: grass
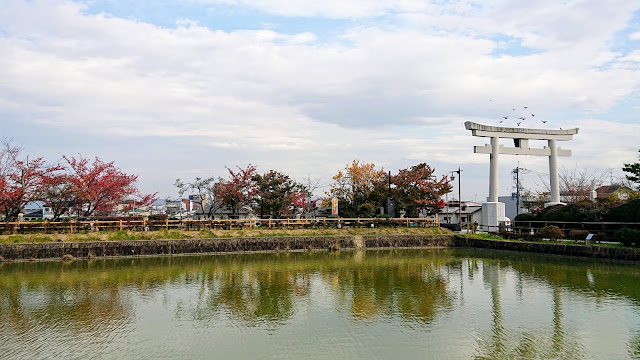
{"type": "Point", "coordinates": [484, 235]}
{"type": "Point", "coordinates": [210, 234]}
{"type": "Point", "coordinates": [559, 241]}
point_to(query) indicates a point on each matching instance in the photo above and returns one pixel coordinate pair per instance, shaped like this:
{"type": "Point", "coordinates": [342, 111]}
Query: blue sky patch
{"type": "Point", "coordinates": [166, 13]}
{"type": "Point", "coordinates": [511, 46]}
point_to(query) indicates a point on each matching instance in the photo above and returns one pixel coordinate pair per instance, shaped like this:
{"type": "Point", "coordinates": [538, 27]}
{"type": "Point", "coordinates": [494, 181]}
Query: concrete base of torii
{"type": "Point", "coordinates": [492, 216]}
{"type": "Point", "coordinates": [554, 204]}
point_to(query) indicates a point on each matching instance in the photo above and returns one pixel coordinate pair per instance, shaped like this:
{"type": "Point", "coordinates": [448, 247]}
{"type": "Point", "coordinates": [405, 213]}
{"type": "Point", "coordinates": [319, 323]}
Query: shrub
{"type": "Point", "coordinates": [628, 236]}
{"type": "Point", "coordinates": [626, 212]}
{"type": "Point", "coordinates": [158, 217]}
{"type": "Point", "coordinates": [367, 210]}
{"type": "Point", "coordinates": [551, 232]}
{"type": "Point", "coordinates": [578, 234]}
{"type": "Point", "coordinates": [526, 217]}
{"type": "Point", "coordinates": [522, 236]}
{"type": "Point", "coordinates": [602, 236]}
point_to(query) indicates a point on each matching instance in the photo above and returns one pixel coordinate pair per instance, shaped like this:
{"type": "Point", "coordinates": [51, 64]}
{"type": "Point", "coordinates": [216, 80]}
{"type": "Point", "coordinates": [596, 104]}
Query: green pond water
{"type": "Point", "coordinates": [374, 304]}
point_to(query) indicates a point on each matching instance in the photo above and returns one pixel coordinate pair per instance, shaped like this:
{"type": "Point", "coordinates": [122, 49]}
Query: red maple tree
{"type": "Point", "coordinates": [21, 179]}
{"type": "Point", "coordinates": [99, 185]}
{"type": "Point", "coordinates": [418, 189]}
{"type": "Point", "coordinates": [58, 193]}
{"type": "Point", "coordinates": [239, 191]}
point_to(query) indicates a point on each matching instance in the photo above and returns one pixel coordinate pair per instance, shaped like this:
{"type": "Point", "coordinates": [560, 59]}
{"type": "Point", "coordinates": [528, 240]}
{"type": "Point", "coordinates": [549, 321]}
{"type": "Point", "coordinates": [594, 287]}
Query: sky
{"type": "Point", "coordinates": [182, 89]}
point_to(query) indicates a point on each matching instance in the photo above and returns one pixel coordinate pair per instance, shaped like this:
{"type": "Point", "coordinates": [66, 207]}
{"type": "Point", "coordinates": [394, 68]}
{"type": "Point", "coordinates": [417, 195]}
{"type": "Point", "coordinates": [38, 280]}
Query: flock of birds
{"type": "Point", "coordinates": [519, 120]}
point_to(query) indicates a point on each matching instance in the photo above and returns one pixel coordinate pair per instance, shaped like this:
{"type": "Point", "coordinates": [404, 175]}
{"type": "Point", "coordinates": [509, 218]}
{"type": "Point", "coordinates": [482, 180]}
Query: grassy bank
{"type": "Point", "coordinates": [210, 234]}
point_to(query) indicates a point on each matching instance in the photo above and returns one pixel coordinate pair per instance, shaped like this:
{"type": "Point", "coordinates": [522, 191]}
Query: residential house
{"type": "Point", "coordinates": [468, 211]}
{"type": "Point", "coordinates": [618, 191]}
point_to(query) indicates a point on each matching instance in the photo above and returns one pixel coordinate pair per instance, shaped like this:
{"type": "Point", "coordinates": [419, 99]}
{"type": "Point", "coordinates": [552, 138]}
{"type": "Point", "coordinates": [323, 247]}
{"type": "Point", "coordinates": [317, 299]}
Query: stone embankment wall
{"type": "Point", "coordinates": [60, 250]}
{"type": "Point", "coordinates": [551, 248]}
{"type": "Point", "coordinates": [53, 250]}
{"type": "Point", "coordinates": [168, 247]}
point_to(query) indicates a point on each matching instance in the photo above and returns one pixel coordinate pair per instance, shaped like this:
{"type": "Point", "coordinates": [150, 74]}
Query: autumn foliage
{"type": "Point", "coordinates": [361, 189]}
{"type": "Point", "coordinates": [417, 189]}
{"type": "Point", "coordinates": [21, 179]}
{"type": "Point", "coordinates": [239, 190]}
{"type": "Point", "coordinates": [76, 185]}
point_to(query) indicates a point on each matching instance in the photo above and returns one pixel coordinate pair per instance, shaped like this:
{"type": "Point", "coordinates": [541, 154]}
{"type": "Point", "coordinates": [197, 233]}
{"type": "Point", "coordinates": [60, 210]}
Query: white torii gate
{"type": "Point", "coordinates": [493, 211]}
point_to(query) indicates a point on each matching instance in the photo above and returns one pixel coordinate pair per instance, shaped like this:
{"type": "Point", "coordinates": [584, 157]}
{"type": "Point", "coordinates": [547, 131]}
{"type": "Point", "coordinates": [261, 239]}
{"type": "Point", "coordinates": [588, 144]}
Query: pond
{"type": "Point", "coordinates": [381, 304]}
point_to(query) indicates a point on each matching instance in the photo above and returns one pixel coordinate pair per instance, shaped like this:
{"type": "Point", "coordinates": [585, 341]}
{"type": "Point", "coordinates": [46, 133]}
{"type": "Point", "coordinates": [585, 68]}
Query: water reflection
{"type": "Point", "coordinates": [414, 290]}
{"type": "Point", "coordinates": [501, 305]}
{"type": "Point", "coordinates": [532, 342]}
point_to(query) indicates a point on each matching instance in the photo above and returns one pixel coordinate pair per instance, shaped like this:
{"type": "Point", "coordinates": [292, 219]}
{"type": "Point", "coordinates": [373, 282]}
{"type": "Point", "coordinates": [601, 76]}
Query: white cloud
{"type": "Point", "coordinates": [391, 96]}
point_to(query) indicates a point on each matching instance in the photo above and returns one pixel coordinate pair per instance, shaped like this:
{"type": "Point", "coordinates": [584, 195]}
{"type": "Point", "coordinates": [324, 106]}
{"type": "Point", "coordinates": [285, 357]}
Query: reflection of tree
{"type": "Point", "coordinates": [78, 306]}
{"type": "Point", "coordinates": [258, 296]}
{"type": "Point", "coordinates": [416, 291]}
{"type": "Point", "coordinates": [634, 346]}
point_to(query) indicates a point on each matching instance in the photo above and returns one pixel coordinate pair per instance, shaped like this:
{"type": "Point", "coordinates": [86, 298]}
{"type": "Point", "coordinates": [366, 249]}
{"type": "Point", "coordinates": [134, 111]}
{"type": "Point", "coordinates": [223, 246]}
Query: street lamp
{"type": "Point", "coordinates": [446, 198]}
{"type": "Point", "coordinates": [459, 196]}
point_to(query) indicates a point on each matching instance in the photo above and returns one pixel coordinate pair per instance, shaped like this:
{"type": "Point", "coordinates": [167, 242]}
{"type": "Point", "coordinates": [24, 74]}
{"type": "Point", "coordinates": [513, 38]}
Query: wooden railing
{"type": "Point", "coordinates": [22, 227]}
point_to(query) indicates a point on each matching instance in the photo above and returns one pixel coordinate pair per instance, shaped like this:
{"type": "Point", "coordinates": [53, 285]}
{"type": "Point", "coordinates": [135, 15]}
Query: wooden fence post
{"type": "Point", "coordinates": [166, 223]}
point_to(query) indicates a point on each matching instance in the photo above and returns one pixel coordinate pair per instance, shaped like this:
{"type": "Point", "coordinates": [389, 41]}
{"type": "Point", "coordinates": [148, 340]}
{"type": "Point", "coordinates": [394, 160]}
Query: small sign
{"type": "Point", "coordinates": [588, 240]}
{"type": "Point", "coordinates": [334, 206]}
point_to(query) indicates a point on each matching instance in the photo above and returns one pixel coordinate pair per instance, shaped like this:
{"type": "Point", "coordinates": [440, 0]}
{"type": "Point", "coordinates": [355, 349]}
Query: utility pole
{"type": "Point", "coordinates": [517, 171]}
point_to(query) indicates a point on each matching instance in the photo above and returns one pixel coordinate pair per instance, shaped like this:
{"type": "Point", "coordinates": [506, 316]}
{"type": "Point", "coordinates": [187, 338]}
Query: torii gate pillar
{"type": "Point", "coordinates": [492, 210]}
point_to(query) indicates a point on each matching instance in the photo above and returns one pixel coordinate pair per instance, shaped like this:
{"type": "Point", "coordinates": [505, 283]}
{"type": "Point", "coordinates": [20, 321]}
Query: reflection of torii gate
{"type": "Point", "coordinates": [493, 211]}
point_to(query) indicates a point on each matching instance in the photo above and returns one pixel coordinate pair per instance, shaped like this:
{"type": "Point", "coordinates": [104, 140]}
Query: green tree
{"type": "Point", "coordinates": [278, 194]}
{"type": "Point", "coordinates": [634, 173]}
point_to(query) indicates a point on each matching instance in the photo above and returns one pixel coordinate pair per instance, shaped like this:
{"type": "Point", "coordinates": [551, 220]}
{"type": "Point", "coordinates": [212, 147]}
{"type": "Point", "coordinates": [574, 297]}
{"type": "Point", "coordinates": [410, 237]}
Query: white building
{"type": "Point", "coordinates": [469, 212]}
